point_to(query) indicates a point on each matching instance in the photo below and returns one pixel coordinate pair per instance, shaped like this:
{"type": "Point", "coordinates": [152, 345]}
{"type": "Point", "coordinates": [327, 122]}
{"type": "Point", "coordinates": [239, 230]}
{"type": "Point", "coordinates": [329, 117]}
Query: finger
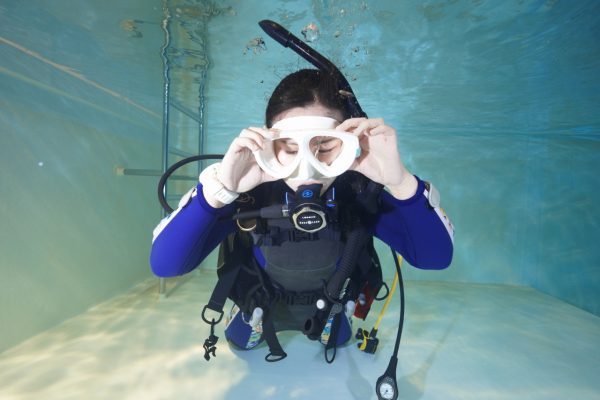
{"type": "Point", "coordinates": [255, 136]}
{"type": "Point", "coordinates": [382, 130]}
{"type": "Point", "coordinates": [246, 143]}
{"type": "Point", "coordinates": [369, 125]}
{"type": "Point", "coordinates": [250, 133]}
{"type": "Point", "coordinates": [365, 126]}
{"type": "Point", "coordinates": [362, 128]}
{"type": "Point", "coordinates": [264, 132]}
{"type": "Point", "coordinates": [349, 124]}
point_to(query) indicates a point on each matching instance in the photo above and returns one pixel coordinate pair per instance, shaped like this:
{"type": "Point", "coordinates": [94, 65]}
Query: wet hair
{"type": "Point", "coordinates": [303, 88]}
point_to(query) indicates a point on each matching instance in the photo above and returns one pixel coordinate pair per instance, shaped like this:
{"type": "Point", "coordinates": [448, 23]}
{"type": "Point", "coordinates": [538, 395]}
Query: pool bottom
{"type": "Point", "coordinates": [461, 341]}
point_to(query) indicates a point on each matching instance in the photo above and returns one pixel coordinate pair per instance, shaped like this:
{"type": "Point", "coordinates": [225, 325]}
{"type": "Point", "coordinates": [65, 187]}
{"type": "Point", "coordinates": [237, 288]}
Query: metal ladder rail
{"type": "Point", "coordinates": [167, 103]}
{"type": "Point", "coordinates": [162, 283]}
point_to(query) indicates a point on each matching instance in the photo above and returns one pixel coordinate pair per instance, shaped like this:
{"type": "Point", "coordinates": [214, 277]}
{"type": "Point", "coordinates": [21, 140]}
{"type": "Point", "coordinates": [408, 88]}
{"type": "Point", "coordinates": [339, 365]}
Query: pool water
{"type": "Point", "coordinates": [496, 103]}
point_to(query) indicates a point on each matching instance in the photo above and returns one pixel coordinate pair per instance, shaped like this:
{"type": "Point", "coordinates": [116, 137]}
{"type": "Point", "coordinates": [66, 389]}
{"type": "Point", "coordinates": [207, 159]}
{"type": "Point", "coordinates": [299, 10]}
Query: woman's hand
{"type": "Point", "coordinates": [238, 171]}
{"type": "Point", "coordinates": [379, 159]}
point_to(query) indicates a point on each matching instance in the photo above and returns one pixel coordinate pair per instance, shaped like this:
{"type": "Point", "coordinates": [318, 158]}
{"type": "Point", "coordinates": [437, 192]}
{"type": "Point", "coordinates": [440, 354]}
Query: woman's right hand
{"type": "Point", "coordinates": [239, 171]}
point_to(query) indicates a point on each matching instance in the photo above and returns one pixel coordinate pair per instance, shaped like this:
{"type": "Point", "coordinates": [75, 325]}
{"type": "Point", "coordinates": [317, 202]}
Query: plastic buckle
{"type": "Point", "coordinates": [369, 341]}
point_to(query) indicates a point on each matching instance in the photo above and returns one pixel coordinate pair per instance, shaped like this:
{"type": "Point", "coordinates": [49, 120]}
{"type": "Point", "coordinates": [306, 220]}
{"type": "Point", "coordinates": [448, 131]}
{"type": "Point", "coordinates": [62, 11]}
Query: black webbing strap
{"type": "Point", "coordinates": [276, 236]}
{"type": "Point", "coordinates": [222, 290]}
{"type": "Point", "coordinates": [333, 337]}
{"type": "Point", "coordinates": [276, 352]}
{"type": "Point", "coordinates": [216, 303]}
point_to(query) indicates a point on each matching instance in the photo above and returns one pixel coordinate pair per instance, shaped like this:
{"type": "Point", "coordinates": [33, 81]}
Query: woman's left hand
{"type": "Point", "coordinates": [379, 159]}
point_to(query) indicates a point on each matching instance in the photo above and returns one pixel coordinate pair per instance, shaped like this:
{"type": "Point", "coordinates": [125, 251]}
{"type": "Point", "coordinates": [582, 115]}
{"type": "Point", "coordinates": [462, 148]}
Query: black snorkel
{"type": "Point", "coordinates": [287, 39]}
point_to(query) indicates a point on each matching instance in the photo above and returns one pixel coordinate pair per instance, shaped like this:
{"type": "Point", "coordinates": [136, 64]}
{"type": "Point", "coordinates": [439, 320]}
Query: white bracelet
{"type": "Point", "coordinates": [214, 187]}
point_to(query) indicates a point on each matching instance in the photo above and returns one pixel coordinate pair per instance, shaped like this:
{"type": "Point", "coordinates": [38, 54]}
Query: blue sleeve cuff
{"type": "Point", "coordinates": [415, 230]}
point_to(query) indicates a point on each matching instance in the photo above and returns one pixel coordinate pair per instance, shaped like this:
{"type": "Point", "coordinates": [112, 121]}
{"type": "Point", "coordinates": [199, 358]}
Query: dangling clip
{"type": "Point", "coordinates": [210, 343]}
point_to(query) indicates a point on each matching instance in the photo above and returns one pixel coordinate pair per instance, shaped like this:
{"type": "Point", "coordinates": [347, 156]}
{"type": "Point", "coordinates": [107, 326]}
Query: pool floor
{"type": "Point", "coordinates": [461, 341]}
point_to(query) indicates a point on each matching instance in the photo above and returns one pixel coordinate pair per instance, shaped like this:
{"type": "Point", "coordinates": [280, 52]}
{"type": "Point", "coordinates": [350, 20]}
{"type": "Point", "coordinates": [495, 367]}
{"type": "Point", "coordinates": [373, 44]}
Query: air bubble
{"type": "Point", "coordinates": [310, 32]}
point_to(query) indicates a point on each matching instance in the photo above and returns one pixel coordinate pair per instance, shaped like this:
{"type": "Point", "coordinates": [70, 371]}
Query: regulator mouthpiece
{"type": "Point", "coordinates": [307, 211]}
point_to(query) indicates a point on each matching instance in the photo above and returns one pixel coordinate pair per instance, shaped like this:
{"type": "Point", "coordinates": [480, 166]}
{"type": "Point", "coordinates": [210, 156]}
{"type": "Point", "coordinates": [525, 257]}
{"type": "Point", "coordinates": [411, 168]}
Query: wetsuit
{"type": "Point", "coordinates": [421, 234]}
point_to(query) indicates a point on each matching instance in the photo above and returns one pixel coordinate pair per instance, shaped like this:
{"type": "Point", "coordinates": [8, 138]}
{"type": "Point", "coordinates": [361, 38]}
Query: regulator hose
{"type": "Point", "coordinates": [331, 304]}
{"type": "Point", "coordinates": [355, 243]}
{"type": "Point", "coordinates": [163, 179]}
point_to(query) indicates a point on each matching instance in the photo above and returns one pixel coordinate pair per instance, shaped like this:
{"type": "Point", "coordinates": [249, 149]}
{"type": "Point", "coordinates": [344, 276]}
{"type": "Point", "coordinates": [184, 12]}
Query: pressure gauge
{"type": "Point", "coordinates": [386, 388]}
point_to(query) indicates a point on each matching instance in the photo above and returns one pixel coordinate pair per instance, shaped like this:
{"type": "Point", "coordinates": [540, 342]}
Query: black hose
{"type": "Point", "coordinates": [287, 39]}
{"type": "Point", "coordinates": [390, 371]}
{"type": "Point", "coordinates": [354, 246]}
{"type": "Point", "coordinates": [163, 179]}
{"type": "Point", "coordinates": [313, 326]}
{"type": "Point", "coordinates": [401, 287]}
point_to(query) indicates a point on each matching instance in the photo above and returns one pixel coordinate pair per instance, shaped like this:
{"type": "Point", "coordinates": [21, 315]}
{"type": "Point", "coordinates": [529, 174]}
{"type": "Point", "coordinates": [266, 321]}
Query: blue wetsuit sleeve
{"type": "Point", "coordinates": [421, 234]}
{"type": "Point", "coordinates": [188, 235]}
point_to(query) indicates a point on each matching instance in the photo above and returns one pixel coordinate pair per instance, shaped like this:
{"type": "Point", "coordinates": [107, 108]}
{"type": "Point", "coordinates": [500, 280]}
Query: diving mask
{"type": "Point", "coordinates": [307, 147]}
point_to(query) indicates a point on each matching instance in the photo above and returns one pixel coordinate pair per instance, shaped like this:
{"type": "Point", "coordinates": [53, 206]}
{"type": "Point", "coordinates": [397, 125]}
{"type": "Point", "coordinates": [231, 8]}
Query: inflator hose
{"type": "Point", "coordinates": [355, 242]}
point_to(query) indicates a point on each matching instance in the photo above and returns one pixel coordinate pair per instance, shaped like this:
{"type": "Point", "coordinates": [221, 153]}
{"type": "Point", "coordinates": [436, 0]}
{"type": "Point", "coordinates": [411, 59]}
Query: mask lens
{"type": "Point", "coordinates": [326, 149]}
{"type": "Point", "coordinates": [302, 154]}
{"type": "Point", "coordinates": [285, 150]}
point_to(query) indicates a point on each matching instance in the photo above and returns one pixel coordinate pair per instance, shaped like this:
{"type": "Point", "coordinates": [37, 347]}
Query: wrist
{"type": "Point", "coordinates": [215, 193]}
{"type": "Point", "coordinates": [406, 189]}
{"type": "Point", "coordinates": [211, 201]}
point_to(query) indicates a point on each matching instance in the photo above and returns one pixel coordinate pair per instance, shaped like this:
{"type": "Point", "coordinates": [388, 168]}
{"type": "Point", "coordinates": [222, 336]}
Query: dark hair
{"type": "Point", "coordinates": [303, 88]}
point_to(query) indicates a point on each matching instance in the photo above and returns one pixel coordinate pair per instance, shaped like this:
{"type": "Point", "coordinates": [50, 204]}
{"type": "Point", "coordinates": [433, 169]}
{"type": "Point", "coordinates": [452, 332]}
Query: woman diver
{"type": "Point", "coordinates": [315, 174]}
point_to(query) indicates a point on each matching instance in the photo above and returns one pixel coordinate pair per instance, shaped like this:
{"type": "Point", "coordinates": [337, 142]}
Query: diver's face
{"type": "Point", "coordinates": [324, 149]}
